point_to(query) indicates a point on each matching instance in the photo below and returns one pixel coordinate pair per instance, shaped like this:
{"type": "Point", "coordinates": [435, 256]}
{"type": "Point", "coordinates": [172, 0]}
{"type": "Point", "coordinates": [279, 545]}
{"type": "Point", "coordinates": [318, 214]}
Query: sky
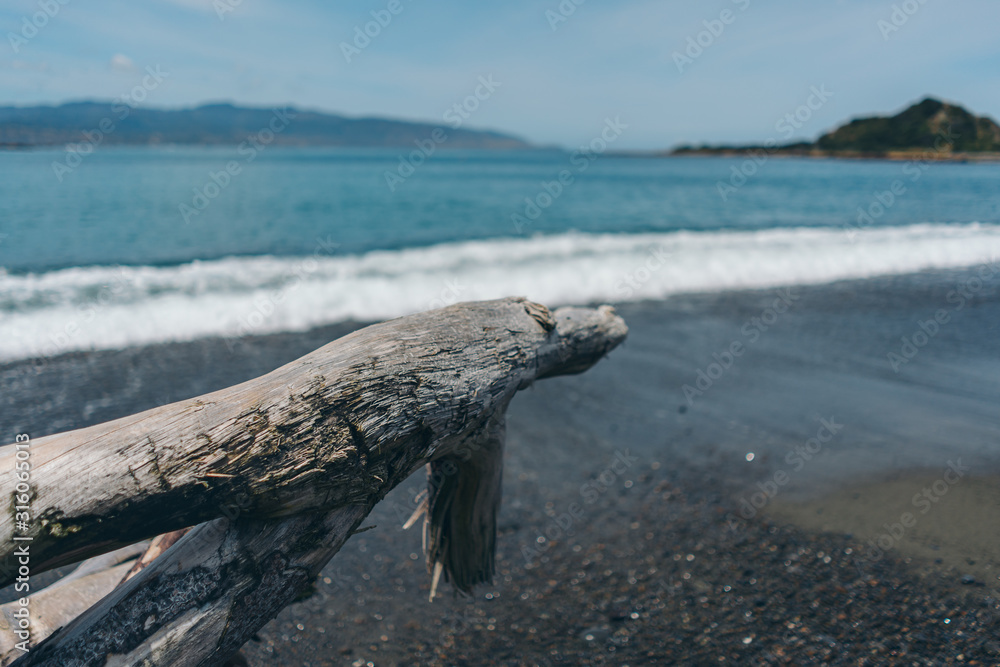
{"type": "Point", "coordinates": [668, 72]}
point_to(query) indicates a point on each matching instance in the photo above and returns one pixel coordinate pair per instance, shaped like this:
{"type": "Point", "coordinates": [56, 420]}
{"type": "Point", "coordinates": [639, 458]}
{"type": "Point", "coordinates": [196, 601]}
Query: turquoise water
{"type": "Point", "coordinates": [140, 245]}
{"type": "Point", "coordinates": [123, 206]}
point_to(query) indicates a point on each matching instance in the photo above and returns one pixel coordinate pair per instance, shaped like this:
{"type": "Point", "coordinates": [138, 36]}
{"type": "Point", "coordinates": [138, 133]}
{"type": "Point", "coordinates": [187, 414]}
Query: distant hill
{"type": "Point", "coordinates": [222, 124]}
{"type": "Point", "coordinates": [918, 127]}
{"type": "Point", "coordinates": [930, 127]}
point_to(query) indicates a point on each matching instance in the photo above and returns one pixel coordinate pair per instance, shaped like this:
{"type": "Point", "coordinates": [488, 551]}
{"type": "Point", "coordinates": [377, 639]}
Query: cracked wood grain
{"type": "Point", "coordinates": [302, 454]}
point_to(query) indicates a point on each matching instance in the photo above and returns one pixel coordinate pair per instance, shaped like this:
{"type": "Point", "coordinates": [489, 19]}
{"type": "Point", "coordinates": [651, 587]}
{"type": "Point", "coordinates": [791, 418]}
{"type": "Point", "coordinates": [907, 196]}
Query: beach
{"type": "Point", "coordinates": [754, 477]}
{"type": "Point", "coordinates": [276, 271]}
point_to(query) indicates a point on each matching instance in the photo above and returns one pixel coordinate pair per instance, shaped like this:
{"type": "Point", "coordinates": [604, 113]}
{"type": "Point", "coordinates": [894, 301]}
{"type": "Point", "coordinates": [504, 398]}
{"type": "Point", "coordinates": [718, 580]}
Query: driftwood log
{"type": "Point", "coordinates": [279, 472]}
{"type": "Point", "coordinates": [58, 604]}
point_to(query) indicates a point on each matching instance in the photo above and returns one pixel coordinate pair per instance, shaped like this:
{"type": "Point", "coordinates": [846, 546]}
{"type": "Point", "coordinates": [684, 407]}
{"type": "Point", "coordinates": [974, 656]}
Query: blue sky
{"type": "Point", "coordinates": [556, 85]}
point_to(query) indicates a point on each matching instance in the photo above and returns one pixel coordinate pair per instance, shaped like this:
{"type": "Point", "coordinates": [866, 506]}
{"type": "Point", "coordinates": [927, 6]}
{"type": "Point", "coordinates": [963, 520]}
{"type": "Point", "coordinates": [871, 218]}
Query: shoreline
{"type": "Point", "coordinates": [755, 151]}
{"type": "Point", "coordinates": [929, 517]}
{"type": "Point", "coordinates": [657, 563]}
{"type": "Point", "coordinates": [928, 155]}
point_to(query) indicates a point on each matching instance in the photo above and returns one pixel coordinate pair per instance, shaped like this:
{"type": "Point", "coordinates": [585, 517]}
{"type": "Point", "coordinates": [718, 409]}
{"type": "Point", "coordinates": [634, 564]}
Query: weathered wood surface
{"type": "Point", "coordinates": [156, 548]}
{"type": "Point", "coordinates": [463, 498]}
{"type": "Point", "coordinates": [58, 604]}
{"type": "Point", "coordinates": [323, 438]}
{"type": "Point", "coordinates": [206, 596]}
{"type": "Point", "coordinates": [337, 427]}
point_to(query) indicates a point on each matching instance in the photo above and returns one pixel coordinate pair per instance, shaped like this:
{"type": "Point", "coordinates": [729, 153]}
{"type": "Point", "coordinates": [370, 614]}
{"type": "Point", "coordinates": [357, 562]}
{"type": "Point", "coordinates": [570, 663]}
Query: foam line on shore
{"type": "Point", "coordinates": [102, 307]}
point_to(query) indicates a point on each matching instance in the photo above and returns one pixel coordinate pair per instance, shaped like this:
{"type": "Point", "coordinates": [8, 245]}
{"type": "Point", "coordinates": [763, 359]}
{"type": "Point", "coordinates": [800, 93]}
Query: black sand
{"type": "Point", "coordinates": [635, 530]}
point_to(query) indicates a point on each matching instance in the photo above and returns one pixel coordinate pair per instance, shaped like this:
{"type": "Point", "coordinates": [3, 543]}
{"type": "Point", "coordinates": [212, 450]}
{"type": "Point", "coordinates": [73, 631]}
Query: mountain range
{"type": "Point", "coordinates": [225, 124]}
{"type": "Point", "coordinates": [931, 127]}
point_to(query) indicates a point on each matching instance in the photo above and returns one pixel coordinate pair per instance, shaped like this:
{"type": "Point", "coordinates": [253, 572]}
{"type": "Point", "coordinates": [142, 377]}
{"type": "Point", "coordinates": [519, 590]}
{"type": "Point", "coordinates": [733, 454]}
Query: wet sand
{"type": "Point", "coordinates": [648, 524]}
{"type": "Point", "coordinates": [945, 527]}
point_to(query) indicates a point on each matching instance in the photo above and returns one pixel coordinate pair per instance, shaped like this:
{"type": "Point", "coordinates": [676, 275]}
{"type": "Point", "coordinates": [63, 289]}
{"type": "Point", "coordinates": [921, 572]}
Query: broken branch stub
{"type": "Point", "coordinates": [307, 450]}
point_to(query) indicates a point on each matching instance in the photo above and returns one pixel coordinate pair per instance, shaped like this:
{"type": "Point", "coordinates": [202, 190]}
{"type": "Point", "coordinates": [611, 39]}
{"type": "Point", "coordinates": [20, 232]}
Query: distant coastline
{"type": "Point", "coordinates": [930, 130]}
{"type": "Point", "coordinates": [754, 151]}
{"type": "Point", "coordinates": [121, 124]}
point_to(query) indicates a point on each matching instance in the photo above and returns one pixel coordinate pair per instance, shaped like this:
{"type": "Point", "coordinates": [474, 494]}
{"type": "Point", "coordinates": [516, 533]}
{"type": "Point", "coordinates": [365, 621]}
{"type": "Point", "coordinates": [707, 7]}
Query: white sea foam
{"type": "Point", "coordinates": [111, 307]}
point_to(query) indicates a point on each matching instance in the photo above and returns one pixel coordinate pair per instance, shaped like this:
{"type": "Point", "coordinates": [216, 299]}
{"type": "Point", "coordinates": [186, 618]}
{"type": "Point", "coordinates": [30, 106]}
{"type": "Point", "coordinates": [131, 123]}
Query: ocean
{"type": "Point", "coordinates": [133, 246]}
{"type": "Point", "coordinates": [845, 407]}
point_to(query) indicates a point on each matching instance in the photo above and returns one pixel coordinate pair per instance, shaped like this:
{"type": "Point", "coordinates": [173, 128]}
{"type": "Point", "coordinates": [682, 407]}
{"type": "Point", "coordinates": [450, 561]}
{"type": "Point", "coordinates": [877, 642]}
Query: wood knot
{"type": "Point", "coordinates": [540, 314]}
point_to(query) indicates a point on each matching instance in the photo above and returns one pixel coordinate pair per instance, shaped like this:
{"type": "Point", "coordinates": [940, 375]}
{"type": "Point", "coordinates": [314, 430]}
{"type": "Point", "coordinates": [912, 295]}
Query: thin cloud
{"type": "Point", "coordinates": [603, 60]}
{"type": "Point", "coordinates": [122, 63]}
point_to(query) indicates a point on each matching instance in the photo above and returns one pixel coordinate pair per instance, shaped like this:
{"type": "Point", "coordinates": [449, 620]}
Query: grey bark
{"type": "Point", "coordinates": [293, 461]}
{"type": "Point", "coordinates": [205, 596]}
{"type": "Point", "coordinates": [58, 604]}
